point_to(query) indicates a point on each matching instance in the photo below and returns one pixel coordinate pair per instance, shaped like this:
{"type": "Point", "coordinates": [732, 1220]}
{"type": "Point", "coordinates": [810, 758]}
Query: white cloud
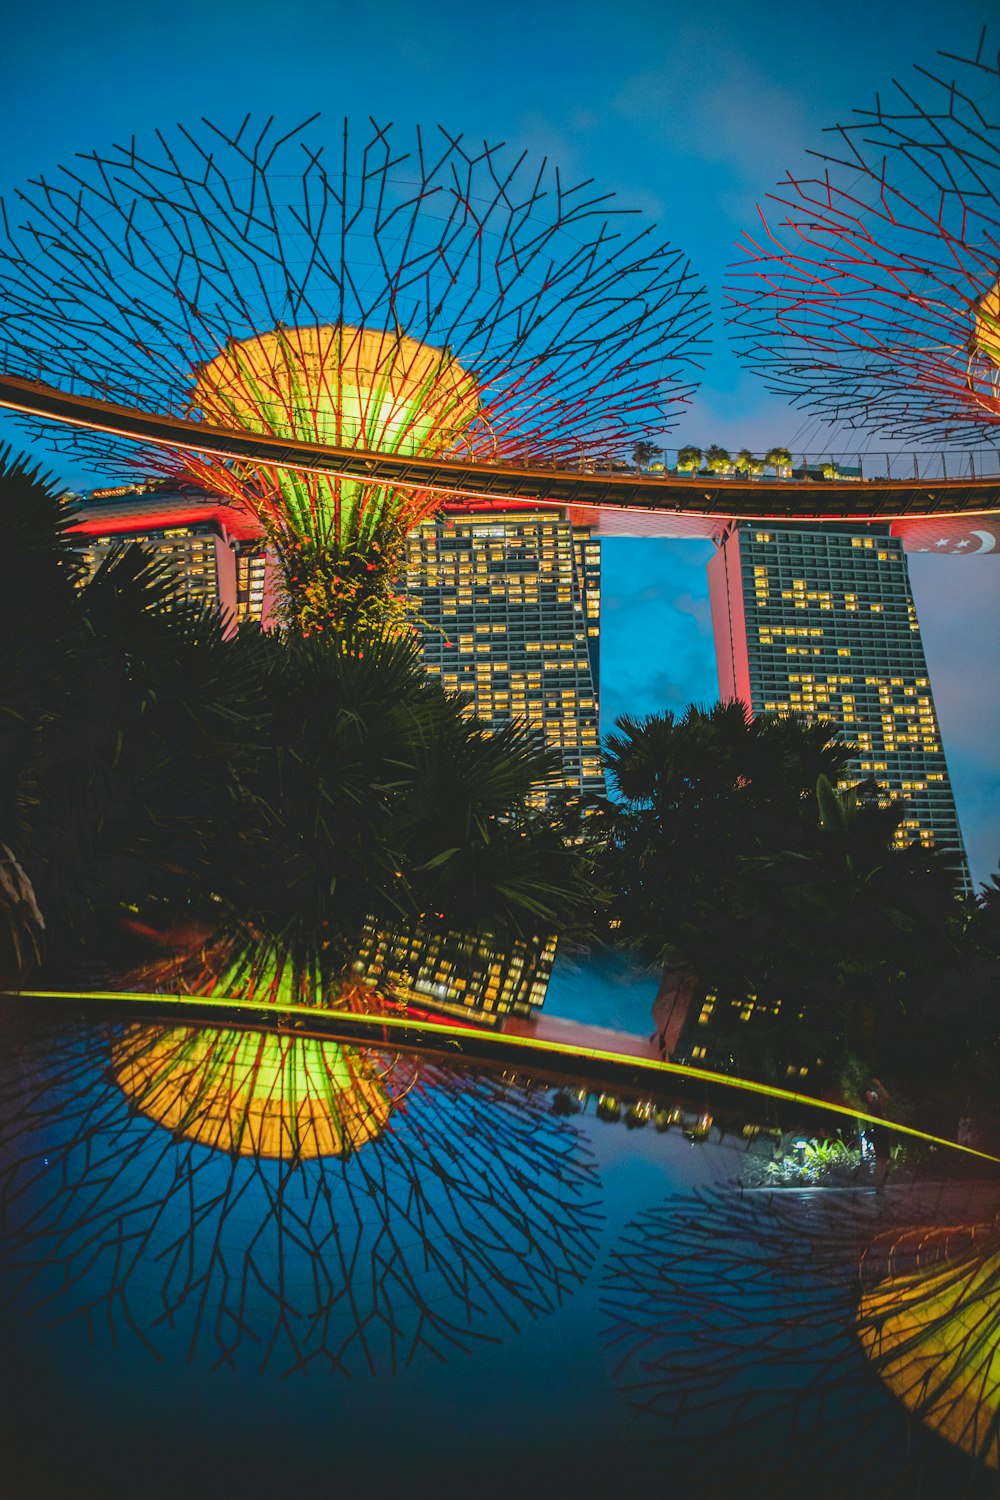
{"type": "Point", "coordinates": [711, 102]}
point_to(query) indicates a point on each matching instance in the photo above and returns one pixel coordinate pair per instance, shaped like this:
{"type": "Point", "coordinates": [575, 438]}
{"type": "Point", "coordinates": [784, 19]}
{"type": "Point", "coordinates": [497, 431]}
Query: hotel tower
{"type": "Point", "coordinates": [820, 621]}
{"type": "Point", "coordinates": [510, 604]}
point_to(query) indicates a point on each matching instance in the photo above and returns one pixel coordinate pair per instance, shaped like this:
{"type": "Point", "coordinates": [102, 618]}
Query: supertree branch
{"type": "Point", "coordinates": [764, 1311]}
{"type": "Point", "coordinates": [286, 1201]}
{"type": "Point", "coordinates": [421, 296]}
{"type": "Point", "coordinates": [872, 296]}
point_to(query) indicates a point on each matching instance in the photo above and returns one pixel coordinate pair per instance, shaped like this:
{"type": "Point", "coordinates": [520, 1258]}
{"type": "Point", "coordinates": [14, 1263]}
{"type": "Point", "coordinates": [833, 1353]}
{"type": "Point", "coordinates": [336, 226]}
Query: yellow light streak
{"type": "Point", "coordinates": [429, 1033]}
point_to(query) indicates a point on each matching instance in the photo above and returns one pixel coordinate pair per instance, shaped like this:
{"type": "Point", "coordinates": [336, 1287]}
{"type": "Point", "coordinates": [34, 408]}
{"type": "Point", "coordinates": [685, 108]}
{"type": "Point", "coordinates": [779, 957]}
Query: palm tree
{"type": "Point", "coordinates": [858, 925]}
{"type": "Point", "coordinates": [123, 721]}
{"type": "Point", "coordinates": [780, 460]}
{"type": "Point", "coordinates": [37, 623]}
{"type": "Point", "coordinates": [738, 863]}
{"type": "Point", "coordinates": [644, 453]}
{"type": "Point", "coordinates": [702, 794]}
{"type": "Point", "coordinates": [747, 464]}
{"type": "Point", "coordinates": [718, 460]}
{"type": "Point", "coordinates": [245, 806]}
{"type": "Point", "coordinates": [373, 798]}
{"type": "Point", "coordinates": [689, 460]}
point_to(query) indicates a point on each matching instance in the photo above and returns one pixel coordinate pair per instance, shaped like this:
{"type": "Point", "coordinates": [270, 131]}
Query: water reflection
{"type": "Point", "coordinates": [261, 1093]}
{"type": "Point", "coordinates": [929, 1321]}
{"type": "Point", "coordinates": [283, 1203]}
{"type": "Point", "coordinates": [768, 1314]}
{"type": "Point", "coordinates": [280, 1203]}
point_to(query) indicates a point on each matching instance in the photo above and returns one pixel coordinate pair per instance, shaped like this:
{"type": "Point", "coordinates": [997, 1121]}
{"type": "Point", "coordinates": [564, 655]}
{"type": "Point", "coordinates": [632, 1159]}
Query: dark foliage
{"type": "Point", "coordinates": [738, 862]}
{"type": "Point", "coordinates": [263, 795]}
{"type": "Point", "coordinates": [703, 794]}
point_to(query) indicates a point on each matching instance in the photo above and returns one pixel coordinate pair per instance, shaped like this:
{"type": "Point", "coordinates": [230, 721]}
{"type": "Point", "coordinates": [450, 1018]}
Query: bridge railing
{"type": "Point", "coordinates": [903, 465]}
{"type": "Point", "coordinates": [866, 463]}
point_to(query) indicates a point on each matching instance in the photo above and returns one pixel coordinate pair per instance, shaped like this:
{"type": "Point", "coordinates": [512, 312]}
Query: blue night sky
{"type": "Point", "coordinates": [689, 113]}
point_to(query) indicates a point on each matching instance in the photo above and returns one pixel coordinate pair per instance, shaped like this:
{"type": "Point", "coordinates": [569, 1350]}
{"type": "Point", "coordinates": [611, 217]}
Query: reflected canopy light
{"type": "Point", "coordinates": [473, 1212]}
{"type": "Point", "coordinates": [933, 1335]}
{"type": "Point", "coordinates": [260, 1093]}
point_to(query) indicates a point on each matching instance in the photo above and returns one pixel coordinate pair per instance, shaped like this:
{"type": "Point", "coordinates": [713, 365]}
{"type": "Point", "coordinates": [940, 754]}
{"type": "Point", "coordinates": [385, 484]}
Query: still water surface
{"type": "Point", "coordinates": [422, 1278]}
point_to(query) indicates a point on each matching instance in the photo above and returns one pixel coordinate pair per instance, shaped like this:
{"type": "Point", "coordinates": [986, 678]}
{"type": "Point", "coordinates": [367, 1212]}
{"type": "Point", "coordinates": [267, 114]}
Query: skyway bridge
{"type": "Point", "coordinates": [930, 513]}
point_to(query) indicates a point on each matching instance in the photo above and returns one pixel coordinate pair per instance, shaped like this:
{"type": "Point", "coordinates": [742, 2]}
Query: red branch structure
{"type": "Point", "coordinates": [873, 298]}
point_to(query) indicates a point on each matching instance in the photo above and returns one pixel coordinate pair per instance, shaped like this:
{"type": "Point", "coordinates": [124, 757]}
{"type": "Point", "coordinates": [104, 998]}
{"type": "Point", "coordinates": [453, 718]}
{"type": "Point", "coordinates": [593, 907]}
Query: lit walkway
{"type": "Point", "coordinates": [616, 503]}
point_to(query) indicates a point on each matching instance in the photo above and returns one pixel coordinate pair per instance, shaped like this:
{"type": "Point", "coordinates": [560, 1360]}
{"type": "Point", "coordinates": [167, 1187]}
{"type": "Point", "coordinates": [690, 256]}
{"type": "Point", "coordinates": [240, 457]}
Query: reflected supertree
{"type": "Point", "coordinates": [753, 1312]}
{"type": "Point", "coordinates": [259, 1093]}
{"type": "Point", "coordinates": [873, 298]}
{"type": "Point", "coordinates": [286, 1202]}
{"type": "Point", "coordinates": [243, 961]}
{"type": "Point", "coordinates": [929, 1321]}
{"type": "Point", "coordinates": [415, 294]}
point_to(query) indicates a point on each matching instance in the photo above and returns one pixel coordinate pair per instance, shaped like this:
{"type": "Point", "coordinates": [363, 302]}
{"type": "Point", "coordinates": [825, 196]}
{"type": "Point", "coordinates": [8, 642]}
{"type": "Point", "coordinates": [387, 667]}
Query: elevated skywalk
{"type": "Point", "coordinates": [956, 514]}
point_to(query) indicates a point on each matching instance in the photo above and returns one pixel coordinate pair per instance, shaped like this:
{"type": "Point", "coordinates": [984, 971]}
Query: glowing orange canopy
{"type": "Point", "coordinates": [258, 1093]}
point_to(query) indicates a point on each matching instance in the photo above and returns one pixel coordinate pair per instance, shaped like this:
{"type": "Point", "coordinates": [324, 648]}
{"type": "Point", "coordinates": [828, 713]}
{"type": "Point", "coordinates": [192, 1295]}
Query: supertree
{"type": "Point", "coordinates": [768, 1313]}
{"type": "Point", "coordinates": [929, 1324]}
{"type": "Point", "coordinates": [873, 296]}
{"type": "Point", "coordinates": [423, 296]}
{"type": "Point", "coordinates": [252, 1199]}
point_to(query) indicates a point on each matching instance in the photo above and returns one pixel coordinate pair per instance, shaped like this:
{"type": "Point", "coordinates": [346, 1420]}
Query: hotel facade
{"type": "Point", "coordinates": [508, 606]}
{"type": "Point", "coordinates": [510, 609]}
{"type": "Point", "coordinates": [820, 621]}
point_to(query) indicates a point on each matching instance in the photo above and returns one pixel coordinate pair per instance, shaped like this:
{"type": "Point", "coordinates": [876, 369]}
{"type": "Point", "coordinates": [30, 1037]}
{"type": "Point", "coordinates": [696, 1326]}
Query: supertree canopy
{"type": "Point", "coordinates": [929, 1326]}
{"type": "Point", "coordinates": [423, 296]}
{"type": "Point", "coordinates": [872, 298]}
{"type": "Point", "coordinates": [728, 1308]}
